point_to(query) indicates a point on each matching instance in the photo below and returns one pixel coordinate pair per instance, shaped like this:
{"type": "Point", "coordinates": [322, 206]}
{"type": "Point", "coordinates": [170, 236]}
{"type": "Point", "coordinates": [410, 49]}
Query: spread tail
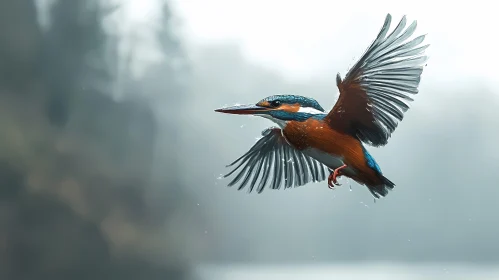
{"type": "Point", "coordinates": [381, 190]}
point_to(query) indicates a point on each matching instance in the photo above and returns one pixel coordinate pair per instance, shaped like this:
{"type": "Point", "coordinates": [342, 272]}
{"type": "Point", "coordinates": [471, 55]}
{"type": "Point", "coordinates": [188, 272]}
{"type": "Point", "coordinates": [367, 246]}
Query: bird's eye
{"type": "Point", "coordinates": [275, 103]}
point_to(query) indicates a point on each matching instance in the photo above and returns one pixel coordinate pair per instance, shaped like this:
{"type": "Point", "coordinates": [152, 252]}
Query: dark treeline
{"type": "Point", "coordinates": [79, 197]}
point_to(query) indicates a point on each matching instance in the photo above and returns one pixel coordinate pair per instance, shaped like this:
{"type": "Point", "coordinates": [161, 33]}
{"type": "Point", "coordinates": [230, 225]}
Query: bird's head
{"type": "Point", "coordinates": [280, 109]}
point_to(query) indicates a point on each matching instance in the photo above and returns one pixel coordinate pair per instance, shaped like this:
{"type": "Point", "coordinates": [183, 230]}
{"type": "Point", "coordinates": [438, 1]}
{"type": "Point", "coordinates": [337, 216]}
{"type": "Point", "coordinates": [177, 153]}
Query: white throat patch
{"type": "Point", "coordinates": [309, 110]}
{"type": "Point", "coordinates": [280, 123]}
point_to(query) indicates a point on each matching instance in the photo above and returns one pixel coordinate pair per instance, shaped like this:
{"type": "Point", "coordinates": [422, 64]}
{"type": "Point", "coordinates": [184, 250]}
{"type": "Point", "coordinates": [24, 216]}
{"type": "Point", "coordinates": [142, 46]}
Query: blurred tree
{"type": "Point", "coordinates": [20, 43]}
{"type": "Point", "coordinates": [75, 201]}
{"type": "Point", "coordinates": [165, 84]}
{"type": "Point", "coordinates": [75, 55]}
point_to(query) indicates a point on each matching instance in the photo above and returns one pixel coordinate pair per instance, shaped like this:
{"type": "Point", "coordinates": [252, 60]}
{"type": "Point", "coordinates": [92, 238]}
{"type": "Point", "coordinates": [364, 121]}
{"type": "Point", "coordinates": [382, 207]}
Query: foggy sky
{"type": "Point", "coordinates": [158, 197]}
{"type": "Point", "coordinates": [441, 157]}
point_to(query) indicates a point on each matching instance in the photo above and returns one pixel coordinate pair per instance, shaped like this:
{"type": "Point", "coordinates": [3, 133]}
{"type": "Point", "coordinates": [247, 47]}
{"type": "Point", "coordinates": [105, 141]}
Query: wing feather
{"type": "Point", "coordinates": [282, 165]}
{"type": "Point", "coordinates": [375, 93]}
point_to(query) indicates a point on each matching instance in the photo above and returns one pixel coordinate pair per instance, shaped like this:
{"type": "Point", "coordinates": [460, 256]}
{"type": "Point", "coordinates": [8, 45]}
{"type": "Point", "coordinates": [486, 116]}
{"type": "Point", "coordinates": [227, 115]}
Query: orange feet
{"type": "Point", "coordinates": [331, 180]}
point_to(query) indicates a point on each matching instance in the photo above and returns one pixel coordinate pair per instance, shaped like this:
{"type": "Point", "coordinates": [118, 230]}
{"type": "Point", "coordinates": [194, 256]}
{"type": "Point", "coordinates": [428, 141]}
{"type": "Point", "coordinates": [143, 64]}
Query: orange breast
{"type": "Point", "coordinates": [316, 134]}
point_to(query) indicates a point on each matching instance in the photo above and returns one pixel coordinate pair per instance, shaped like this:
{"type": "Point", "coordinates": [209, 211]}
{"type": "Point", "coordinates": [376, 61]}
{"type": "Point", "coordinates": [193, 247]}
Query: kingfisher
{"type": "Point", "coordinates": [310, 144]}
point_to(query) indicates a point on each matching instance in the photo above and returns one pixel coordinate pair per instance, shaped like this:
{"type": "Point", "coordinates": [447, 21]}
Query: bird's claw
{"type": "Point", "coordinates": [331, 181]}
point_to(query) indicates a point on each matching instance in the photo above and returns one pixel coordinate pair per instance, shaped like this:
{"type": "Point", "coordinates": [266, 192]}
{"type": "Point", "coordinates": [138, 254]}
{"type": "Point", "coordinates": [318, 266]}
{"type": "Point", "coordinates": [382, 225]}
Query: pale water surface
{"type": "Point", "coordinates": [348, 271]}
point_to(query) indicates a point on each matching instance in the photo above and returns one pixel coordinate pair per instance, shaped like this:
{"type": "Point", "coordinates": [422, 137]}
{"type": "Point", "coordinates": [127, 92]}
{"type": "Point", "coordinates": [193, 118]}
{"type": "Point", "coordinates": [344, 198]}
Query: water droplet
{"type": "Point", "coordinates": [205, 232]}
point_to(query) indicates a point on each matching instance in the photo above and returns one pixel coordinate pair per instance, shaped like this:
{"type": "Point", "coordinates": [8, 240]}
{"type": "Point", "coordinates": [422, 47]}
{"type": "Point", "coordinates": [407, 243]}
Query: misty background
{"type": "Point", "coordinates": [111, 155]}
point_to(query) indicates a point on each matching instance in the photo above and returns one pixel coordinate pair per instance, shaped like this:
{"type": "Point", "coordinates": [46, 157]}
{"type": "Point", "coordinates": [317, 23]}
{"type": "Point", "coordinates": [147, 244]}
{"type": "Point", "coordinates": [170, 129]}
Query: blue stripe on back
{"type": "Point", "coordinates": [370, 161]}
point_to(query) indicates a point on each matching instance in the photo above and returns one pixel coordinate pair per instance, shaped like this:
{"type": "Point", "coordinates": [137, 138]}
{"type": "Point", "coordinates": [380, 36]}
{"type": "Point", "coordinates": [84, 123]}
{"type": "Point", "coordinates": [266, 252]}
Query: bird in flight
{"type": "Point", "coordinates": [309, 142]}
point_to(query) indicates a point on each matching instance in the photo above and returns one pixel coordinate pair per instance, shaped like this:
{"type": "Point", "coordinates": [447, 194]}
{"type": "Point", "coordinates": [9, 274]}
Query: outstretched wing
{"type": "Point", "coordinates": [375, 92]}
{"type": "Point", "coordinates": [273, 162]}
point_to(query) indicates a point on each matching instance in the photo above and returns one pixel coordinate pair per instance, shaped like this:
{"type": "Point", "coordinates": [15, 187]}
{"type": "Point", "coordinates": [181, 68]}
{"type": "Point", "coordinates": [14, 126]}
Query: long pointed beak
{"type": "Point", "coordinates": [243, 110]}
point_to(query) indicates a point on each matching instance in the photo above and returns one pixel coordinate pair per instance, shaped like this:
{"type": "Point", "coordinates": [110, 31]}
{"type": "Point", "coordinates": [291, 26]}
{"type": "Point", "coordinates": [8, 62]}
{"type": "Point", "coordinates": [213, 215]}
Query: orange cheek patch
{"type": "Point", "coordinates": [263, 104]}
{"type": "Point", "coordinates": [291, 108]}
